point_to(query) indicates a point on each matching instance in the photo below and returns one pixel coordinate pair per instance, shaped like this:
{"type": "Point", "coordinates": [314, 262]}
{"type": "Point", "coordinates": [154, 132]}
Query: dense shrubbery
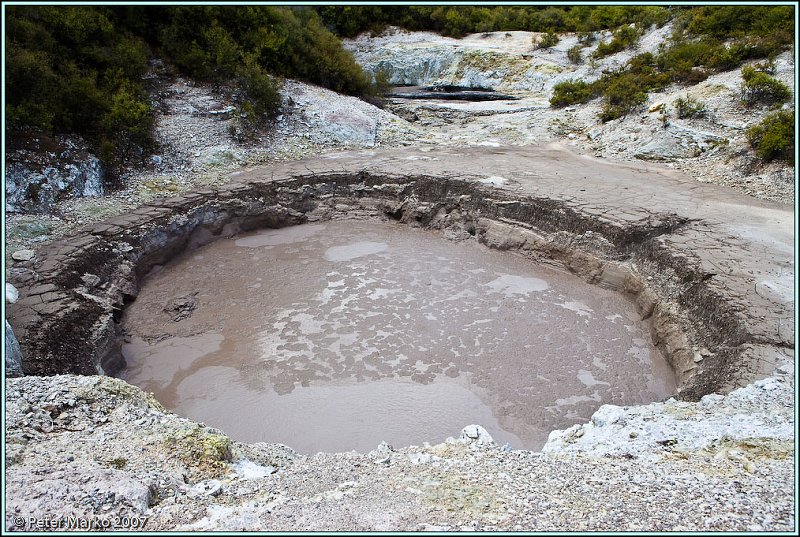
{"type": "Point", "coordinates": [724, 22]}
{"type": "Point", "coordinates": [571, 92]}
{"type": "Point", "coordinates": [74, 69]}
{"type": "Point", "coordinates": [621, 94]}
{"type": "Point", "coordinates": [78, 69]}
{"type": "Point", "coordinates": [773, 137]}
{"type": "Point", "coordinates": [759, 87]}
{"type": "Point", "coordinates": [457, 21]}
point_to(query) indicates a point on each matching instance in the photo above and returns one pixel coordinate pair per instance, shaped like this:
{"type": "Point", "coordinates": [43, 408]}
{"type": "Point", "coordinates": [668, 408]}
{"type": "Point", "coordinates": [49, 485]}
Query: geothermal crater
{"type": "Point", "coordinates": [339, 335]}
{"type": "Point", "coordinates": [279, 341]}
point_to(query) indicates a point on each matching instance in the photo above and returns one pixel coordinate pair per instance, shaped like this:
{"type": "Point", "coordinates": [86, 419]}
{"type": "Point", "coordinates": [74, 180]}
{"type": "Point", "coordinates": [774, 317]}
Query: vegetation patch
{"type": "Point", "coordinates": [458, 21]}
{"type": "Point", "coordinates": [201, 450]}
{"type": "Point", "coordinates": [701, 44]}
{"type": "Point", "coordinates": [689, 107]}
{"type": "Point", "coordinates": [118, 462]}
{"type": "Point", "coordinates": [548, 40]}
{"type": "Point", "coordinates": [575, 55]}
{"type": "Point", "coordinates": [773, 137]}
{"type": "Point", "coordinates": [760, 88]}
{"type": "Point", "coordinates": [627, 88]}
{"type": "Point", "coordinates": [624, 37]}
{"type": "Point", "coordinates": [571, 92]}
{"type": "Point", "coordinates": [79, 69]}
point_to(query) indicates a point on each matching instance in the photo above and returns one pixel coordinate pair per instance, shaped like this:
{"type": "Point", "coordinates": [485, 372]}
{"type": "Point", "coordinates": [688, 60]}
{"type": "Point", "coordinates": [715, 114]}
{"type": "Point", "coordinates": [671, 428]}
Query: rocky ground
{"type": "Point", "coordinates": [97, 447]}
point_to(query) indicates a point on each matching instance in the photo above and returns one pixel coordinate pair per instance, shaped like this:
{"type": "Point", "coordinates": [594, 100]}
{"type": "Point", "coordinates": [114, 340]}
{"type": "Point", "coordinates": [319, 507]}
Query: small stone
{"type": "Point", "coordinates": [23, 255]}
{"type": "Point", "coordinates": [90, 280]}
{"type": "Point", "coordinates": [475, 434]}
{"type": "Point", "coordinates": [420, 458]}
{"type": "Point", "coordinates": [12, 295]}
{"type": "Point", "coordinates": [209, 487]}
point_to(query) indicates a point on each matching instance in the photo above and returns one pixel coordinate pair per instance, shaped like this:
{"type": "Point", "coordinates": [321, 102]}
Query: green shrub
{"type": "Point", "coordinates": [738, 52]}
{"type": "Point", "coordinates": [725, 22]}
{"type": "Point", "coordinates": [130, 118]}
{"type": "Point", "coordinates": [773, 137]}
{"type": "Point", "coordinates": [624, 37]}
{"type": "Point", "coordinates": [622, 90]}
{"type": "Point", "coordinates": [70, 70]}
{"type": "Point", "coordinates": [78, 69]}
{"type": "Point", "coordinates": [759, 87]}
{"type": "Point", "coordinates": [574, 54]}
{"type": "Point", "coordinates": [690, 53]}
{"type": "Point", "coordinates": [689, 107]}
{"type": "Point", "coordinates": [571, 92]}
{"type": "Point", "coordinates": [549, 39]}
{"type": "Point", "coordinates": [261, 90]}
{"type": "Point", "coordinates": [622, 94]}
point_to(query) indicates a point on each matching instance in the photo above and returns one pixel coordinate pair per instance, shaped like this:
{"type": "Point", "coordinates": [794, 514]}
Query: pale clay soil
{"type": "Point", "coordinates": [98, 448]}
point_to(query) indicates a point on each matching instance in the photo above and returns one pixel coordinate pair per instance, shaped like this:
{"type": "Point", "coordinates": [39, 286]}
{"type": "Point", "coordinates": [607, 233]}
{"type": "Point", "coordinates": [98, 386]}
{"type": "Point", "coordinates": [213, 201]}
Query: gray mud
{"type": "Point", "coordinates": [336, 336]}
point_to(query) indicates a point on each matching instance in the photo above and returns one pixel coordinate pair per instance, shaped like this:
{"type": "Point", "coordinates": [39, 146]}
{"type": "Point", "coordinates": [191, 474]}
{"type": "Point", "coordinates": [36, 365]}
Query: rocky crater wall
{"type": "Point", "coordinates": [73, 291]}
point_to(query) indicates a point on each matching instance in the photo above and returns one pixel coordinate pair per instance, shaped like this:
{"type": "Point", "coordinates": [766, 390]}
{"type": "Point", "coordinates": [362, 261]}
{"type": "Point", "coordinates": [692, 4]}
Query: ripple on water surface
{"type": "Point", "coordinates": [336, 336]}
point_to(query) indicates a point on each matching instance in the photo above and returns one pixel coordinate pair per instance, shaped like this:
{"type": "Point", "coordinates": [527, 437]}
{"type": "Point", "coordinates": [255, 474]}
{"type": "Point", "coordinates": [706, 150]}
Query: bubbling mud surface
{"type": "Point", "coordinates": [336, 336]}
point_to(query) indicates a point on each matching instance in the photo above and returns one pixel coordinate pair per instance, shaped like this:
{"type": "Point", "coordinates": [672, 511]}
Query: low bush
{"type": "Point", "coordinates": [689, 107]}
{"type": "Point", "coordinates": [571, 92]}
{"type": "Point", "coordinates": [759, 87]}
{"type": "Point", "coordinates": [627, 88]}
{"type": "Point", "coordinates": [624, 37]}
{"type": "Point", "coordinates": [622, 94]}
{"type": "Point", "coordinates": [574, 54]}
{"type": "Point", "coordinates": [261, 89]}
{"type": "Point", "coordinates": [549, 39]}
{"type": "Point", "coordinates": [773, 137]}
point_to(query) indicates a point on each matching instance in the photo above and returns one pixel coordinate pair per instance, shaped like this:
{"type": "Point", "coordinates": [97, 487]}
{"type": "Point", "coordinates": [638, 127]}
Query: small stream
{"type": "Point", "coordinates": [449, 93]}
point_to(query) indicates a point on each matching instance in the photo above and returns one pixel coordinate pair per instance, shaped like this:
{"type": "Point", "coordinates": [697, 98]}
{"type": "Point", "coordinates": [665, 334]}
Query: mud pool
{"type": "Point", "coordinates": [336, 336]}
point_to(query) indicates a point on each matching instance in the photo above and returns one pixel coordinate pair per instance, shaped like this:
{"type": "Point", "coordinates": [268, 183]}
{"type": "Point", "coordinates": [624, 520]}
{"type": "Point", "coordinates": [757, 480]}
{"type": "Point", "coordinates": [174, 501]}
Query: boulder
{"type": "Point", "coordinates": [677, 142]}
{"type": "Point", "coordinates": [44, 171]}
{"type": "Point", "coordinates": [13, 354]}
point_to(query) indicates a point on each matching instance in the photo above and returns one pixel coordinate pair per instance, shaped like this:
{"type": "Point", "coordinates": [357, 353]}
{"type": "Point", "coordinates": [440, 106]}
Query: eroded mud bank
{"type": "Point", "coordinates": [74, 290]}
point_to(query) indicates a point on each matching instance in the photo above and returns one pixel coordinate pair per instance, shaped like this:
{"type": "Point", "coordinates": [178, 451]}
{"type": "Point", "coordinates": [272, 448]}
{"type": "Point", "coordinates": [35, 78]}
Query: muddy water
{"type": "Point", "coordinates": [335, 336]}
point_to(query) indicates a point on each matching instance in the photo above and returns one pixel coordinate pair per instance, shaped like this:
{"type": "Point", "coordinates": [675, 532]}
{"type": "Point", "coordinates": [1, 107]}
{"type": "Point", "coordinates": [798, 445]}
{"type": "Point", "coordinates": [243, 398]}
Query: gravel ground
{"type": "Point", "coordinates": [97, 448]}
